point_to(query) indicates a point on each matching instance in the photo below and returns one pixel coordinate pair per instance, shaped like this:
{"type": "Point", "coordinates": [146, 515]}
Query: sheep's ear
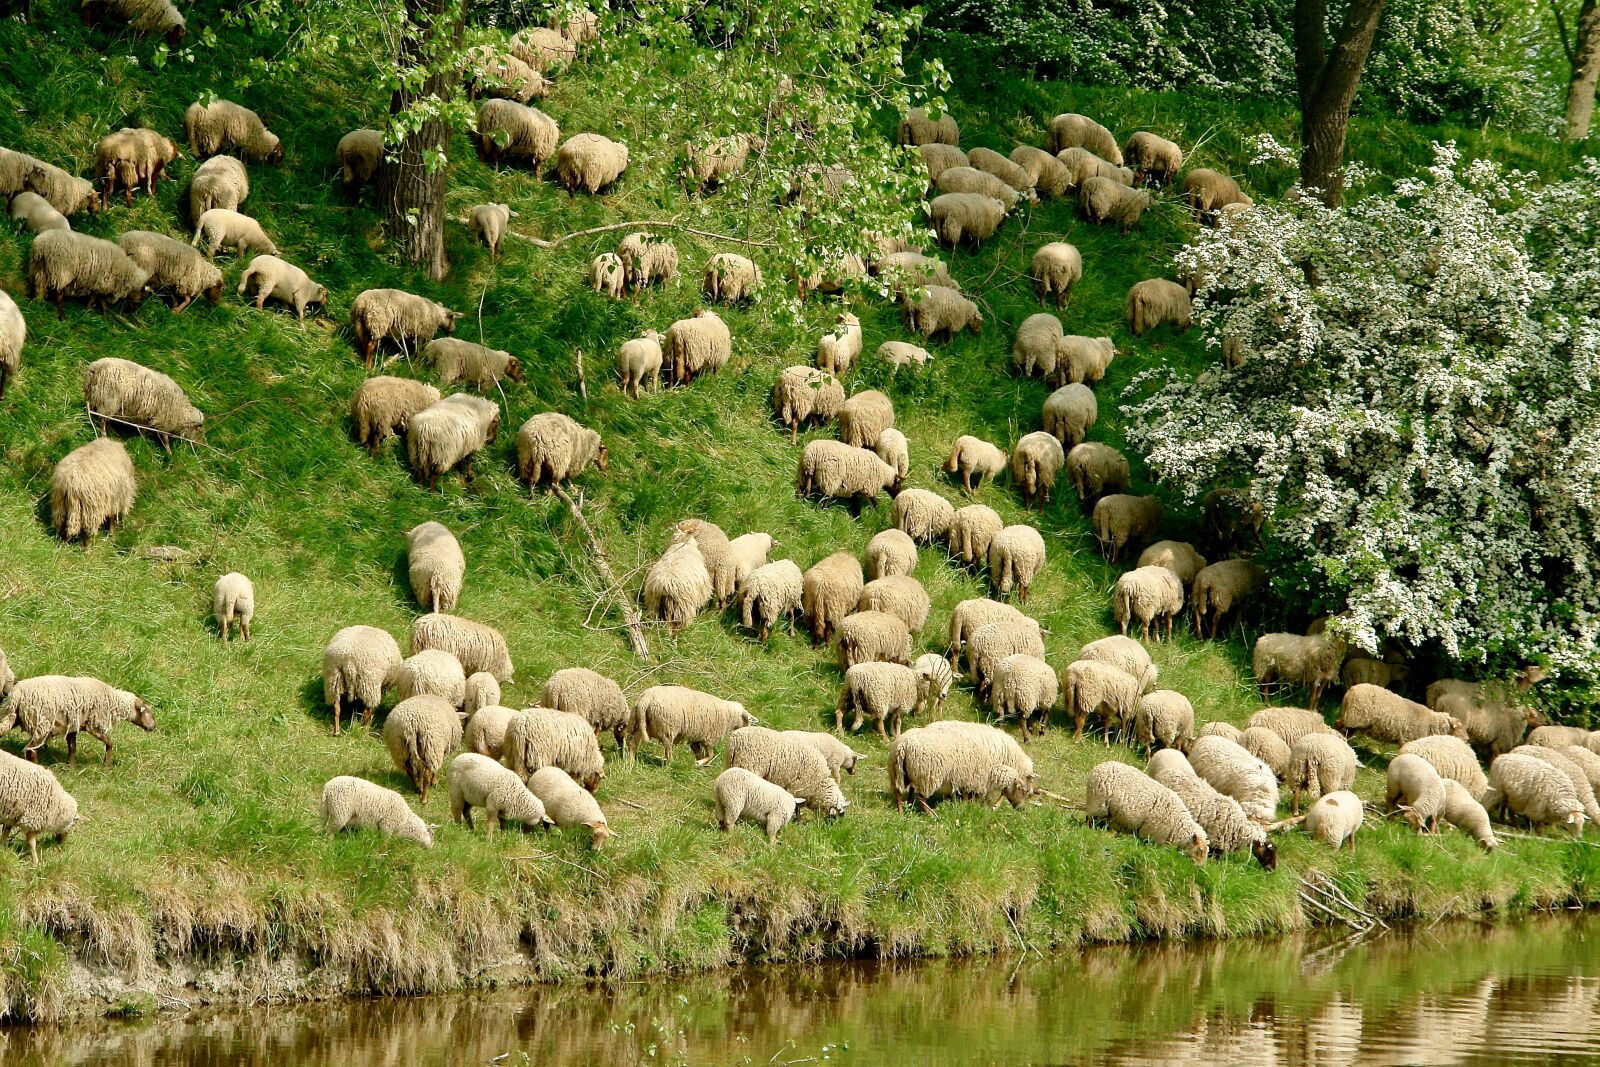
{"type": "Point", "coordinates": [433, 827]}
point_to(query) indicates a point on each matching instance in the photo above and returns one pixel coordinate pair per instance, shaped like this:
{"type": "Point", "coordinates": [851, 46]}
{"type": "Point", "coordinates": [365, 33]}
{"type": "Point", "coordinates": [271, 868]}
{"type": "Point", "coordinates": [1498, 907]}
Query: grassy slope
{"type": "Point", "coordinates": [203, 838]}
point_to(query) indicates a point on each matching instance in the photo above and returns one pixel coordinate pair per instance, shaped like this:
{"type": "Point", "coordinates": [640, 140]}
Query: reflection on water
{"type": "Point", "coordinates": [1520, 993]}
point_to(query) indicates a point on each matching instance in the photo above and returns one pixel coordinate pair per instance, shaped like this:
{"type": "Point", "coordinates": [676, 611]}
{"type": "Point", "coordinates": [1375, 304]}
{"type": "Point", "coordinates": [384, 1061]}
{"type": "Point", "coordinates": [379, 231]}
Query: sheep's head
{"type": "Point", "coordinates": [1574, 821]}
{"type": "Point", "coordinates": [214, 292]}
{"type": "Point", "coordinates": [142, 715]}
{"type": "Point", "coordinates": [1489, 841]}
{"type": "Point", "coordinates": [975, 324]}
{"type": "Point", "coordinates": [599, 834]}
{"type": "Point", "coordinates": [849, 764]}
{"type": "Point", "coordinates": [602, 459]}
{"type": "Point", "coordinates": [591, 781]}
{"type": "Point", "coordinates": [514, 369]}
{"type": "Point", "coordinates": [448, 320]}
{"type": "Point", "coordinates": [1266, 853]}
{"type": "Point", "coordinates": [1199, 848]}
{"type": "Point", "coordinates": [743, 717]}
{"type": "Point", "coordinates": [319, 297]}
{"type": "Point", "coordinates": [1458, 729]}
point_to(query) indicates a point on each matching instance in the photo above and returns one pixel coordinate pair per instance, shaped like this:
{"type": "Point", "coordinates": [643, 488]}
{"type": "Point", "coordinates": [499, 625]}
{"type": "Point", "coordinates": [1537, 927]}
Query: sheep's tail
{"type": "Point", "coordinates": [898, 784]}
{"type": "Point", "coordinates": [952, 464]}
{"type": "Point", "coordinates": [437, 594]}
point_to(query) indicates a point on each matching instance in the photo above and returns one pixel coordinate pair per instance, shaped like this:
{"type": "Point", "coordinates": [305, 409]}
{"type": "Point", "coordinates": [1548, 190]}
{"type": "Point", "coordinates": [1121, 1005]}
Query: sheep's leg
{"type": "Point", "coordinates": [183, 304]}
{"type": "Point", "coordinates": [336, 716]}
{"type": "Point", "coordinates": [703, 753]}
{"type": "Point", "coordinates": [60, 309]}
{"type": "Point", "coordinates": [33, 846]}
{"type": "Point", "coordinates": [922, 802]}
{"type": "Point", "coordinates": [5, 375]}
{"type": "Point", "coordinates": [225, 629]}
{"type": "Point", "coordinates": [244, 628]}
{"type": "Point", "coordinates": [666, 748]}
{"type": "Point", "coordinates": [464, 816]}
{"type": "Point", "coordinates": [491, 821]}
{"type": "Point", "coordinates": [366, 716]}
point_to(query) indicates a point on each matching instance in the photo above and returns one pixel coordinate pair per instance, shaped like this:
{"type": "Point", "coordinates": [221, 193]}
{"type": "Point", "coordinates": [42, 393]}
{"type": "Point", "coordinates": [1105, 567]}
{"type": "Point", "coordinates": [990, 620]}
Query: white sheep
{"type": "Point", "coordinates": [483, 690]}
{"type": "Point", "coordinates": [67, 193]}
{"type": "Point", "coordinates": [887, 692]}
{"type": "Point", "coordinates": [791, 761]}
{"type": "Point", "coordinates": [359, 663]}
{"type": "Point", "coordinates": [1082, 360]}
{"type": "Point", "coordinates": [1094, 690]}
{"type": "Point", "coordinates": [447, 435]}
{"type": "Point", "coordinates": [608, 275]}
{"type": "Point", "coordinates": [435, 673]}
{"type": "Point", "coordinates": [479, 782]}
{"type": "Point", "coordinates": [938, 158]}
{"type": "Point", "coordinates": [1147, 595]}
{"type": "Point", "coordinates": [1335, 818]}
{"type": "Point", "coordinates": [678, 585]}
{"type": "Point", "coordinates": [1413, 785]}
{"type": "Point", "coordinates": [489, 223]}
{"type": "Point", "coordinates": [1082, 164]}
{"type": "Point", "coordinates": [32, 800]}
{"type": "Point", "coordinates": [840, 347]}
{"type": "Point", "coordinates": [1389, 716]}
{"type": "Point", "coordinates": [919, 127]}
{"type": "Point", "coordinates": [378, 315]}
{"type": "Point", "coordinates": [990, 644]}
{"type": "Point", "coordinates": [772, 591]}
{"type": "Point", "coordinates": [1127, 799]}
{"type": "Point", "coordinates": [221, 181]}
{"type": "Point", "coordinates": [1097, 470]}
{"type": "Point", "coordinates": [988, 161]}
{"type": "Point", "coordinates": [834, 470]}
{"type": "Point", "coordinates": [965, 217]}
{"type": "Point", "coordinates": [269, 276]}
{"type": "Point", "coordinates": [1461, 810]}
{"type": "Point", "coordinates": [552, 448]}
{"type": "Point", "coordinates": [1220, 589]}
{"type": "Point", "coordinates": [223, 125]}
{"type": "Point", "coordinates": [130, 158]}
{"type": "Point", "coordinates": [52, 705]}
{"type": "Point", "coordinates": [934, 678]}
{"type": "Point", "coordinates": [1319, 764]}
{"type": "Point", "coordinates": [936, 310]}
{"type": "Point", "coordinates": [420, 733]}
{"type": "Point", "coordinates": [1069, 413]}
{"type": "Point", "coordinates": [1154, 158]}
{"type": "Point", "coordinates": [1533, 789]}
{"type": "Point", "coordinates": [867, 636]}
{"type": "Point", "coordinates": [1024, 687]}
{"type": "Point", "coordinates": [1157, 302]}
{"type": "Point", "coordinates": [971, 530]}
{"type": "Point", "coordinates": [730, 278]}
{"type": "Point", "coordinates": [1125, 654]}
{"type": "Point", "coordinates": [360, 153]}
{"type": "Point", "coordinates": [899, 595]}
{"type": "Point", "coordinates": [590, 162]}
{"type": "Point", "coordinates": [476, 365]}
{"type": "Point", "coordinates": [1035, 461]}
{"type": "Point", "coordinates": [541, 737]}
{"type": "Point", "coordinates": [1121, 520]}
{"type": "Point", "coordinates": [592, 695]}
{"type": "Point", "coordinates": [741, 795]}
{"type": "Point", "coordinates": [1574, 771]}
{"type": "Point", "coordinates": [1233, 770]}
{"type": "Point", "coordinates": [973, 457]}
{"type": "Point", "coordinates": [1104, 199]}
{"type": "Point", "coordinates": [1163, 718]}
{"type": "Point", "coordinates": [570, 805]}
{"type": "Point", "coordinates": [499, 74]}
{"type": "Point", "coordinates": [1227, 827]}
{"type": "Point", "coordinates": [350, 803]}
{"type": "Point", "coordinates": [673, 713]}
{"type": "Point", "coordinates": [92, 486]}
{"type": "Point", "coordinates": [121, 391]}
{"type": "Point", "coordinates": [960, 760]}
{"type": "Point", "coordinates": [63, 263]}
{"type": "Point", "coordinates": [1179, 557]}
{"type": "Point", "coordinates": [1453, 758]}
{"type": "Point", "coordinates": [1016, 556]}
{"type": "Point", "coordinates": [222, 228]}
{"type": "Point", "coordinates": [1056, 268]}
{"type": "Point", "coordinates": [485, 729]}
{"type": "Point", "coordinates": [891, 552]}
{"type": "Point", "coordinates": [1045, 173]}
{"type": "Point", "coordinates": [13, 334]}
{"type": "Point", "coordinates": [384, 405]}
{"type": "Point", "coordinates": [804, 395]}
{"type": "Point", "coordinates": [1267, 747]}
{"type": "Point", "coordinates": [507, 131]}
{"type": "Point", "coordinates": [972, 181]}
{"type": "Point", "coordinates": [700, 344]}
{"type": "Point", "coordinates": [639, 362]}
{"type": "Point", "coordinates": [233, 598]}
{"type": "Point", "coordinates": [36, 214]}
{"type": "Point", "coordinates": [829, 593]}
{"type": "Point", "coordinates": [479, 647]}
{"type": "Point", "coordinates": [1071, 130]}
{"type": "Point", "coordinates": [647, 259]}
{"type": "Point", "coordinates": [436, 566]}
{"type": "Point", "coordinates": [923, 515]}
{"type": "Point", "coordinates": [899, 354]}
{"type": "Point", "coordinates": [1036, 345]}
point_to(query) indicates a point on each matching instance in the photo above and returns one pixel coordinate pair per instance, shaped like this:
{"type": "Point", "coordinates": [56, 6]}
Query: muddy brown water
{"type": "Point", "coordinates": [1525, 992]}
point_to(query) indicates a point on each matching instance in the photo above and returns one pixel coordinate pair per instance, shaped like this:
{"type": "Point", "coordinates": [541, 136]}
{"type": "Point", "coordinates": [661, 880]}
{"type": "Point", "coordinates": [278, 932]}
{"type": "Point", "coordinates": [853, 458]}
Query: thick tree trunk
{"type": "Point", "coordinates": [1585, 57]}
{"type": "Point", "coordinates": [1327, 85]}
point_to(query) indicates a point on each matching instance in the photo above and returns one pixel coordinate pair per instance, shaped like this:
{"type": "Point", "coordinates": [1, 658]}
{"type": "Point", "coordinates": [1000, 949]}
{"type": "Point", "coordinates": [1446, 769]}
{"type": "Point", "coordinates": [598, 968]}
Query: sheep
{"type": "Point", "coordinates": [909, 270]}
{"type": "Point", "coordinates": [673, 713]}
{"type": "Point", "coordinates": [1453, 758]}
{"type": "Point", "coordinates": [384, 406]}
{"type": "Point", "coordinates": [62, 263]}
{"type": "Point", "coordinates": [1390, 717]}
{"type": "Point", "coordinates": [1121, 520]}
{"type": "Point", "coordinates": [1081, 360]}
{"type": "Point", "coordinates": [1036, 345]}
{"type": "Point", "coordinates": [269, 276]}
{"type": "Point", "coordinates": [965, 217]}
{"type": "Point", "coordinates": [1335, 818]}
{"type": "Point", "coordinates": [840, 347]}
{"type": "Point", "coordinates": [1222, 588]}
{"type": "Point", "coordinates": [32, 800]}
{"type": "Point", "coordinates": [1559, 736]}
{"type": "Point", "coordinates": [791, 761]}
{"type": "Point", "coordinates": [408, 320]}
{"type": "Point", "coordinates": [350, 803]}
{"type": "Point", "coordinates": [1319, 764]}
{"type": "Point", "coordinates": [590, 162]}
{"type": "Point", "coordinates": [509, 132]}
{"type": "Point", "coordinates": [647, 260]}
{"type": "Point", "coordinates": [1291, 724]}
{"type": "Point", "coordinates": [360, 153]}
{"type": "Point", "coordinates": [220, 181]}
{"type": "Point", "coordinates": [745, 553]}
{"type": "Point", "coordinates": [1267, 747]}
{"type": "Point", "coordinates": [899, 354]}
{"type": "Point", "coordinates": [478, 366]}
{"type": "Point", "coordinates": [52, 705]}
{"type": "Point", "coordinates": [863, 417]}
{"type": "Point", "coordinates": [886, 691]}
{"type": "Point", "coordinates": [1494, 714]}
{"type": "Point", "coordinates": [1461, 810]}
{"type": "Point", "coordinates": [118, 390]}
{"type": "Point", "coordinates": [569, 805]}
{"type": "Point", "coordinates": [1014, 175]}
{"type": "Point", "coordinates": [970, 532]}
{"type": "Point", "coordinates": [233, 597]}
{"type": "Point", "coordinates": [1155, 159]}
{"type": "Point", "coordinates": [938, 158]}
{"type": "Point", "coordinates": [1163, 719]}
{"type": "Point", "coordinates": [1056, 268]}
{"type": "Point", "coordinates": [1125, 654]}
{"type": "Point", "coordinates": [1106, 200]}
{"type": "Point", "coordinates": [359, 663]}
{"type": "Point", "coordinates": [829, 593]}
{"type": "Point", "coordinates": [1234, 771]}
{"type": "Point", "coordinates": [1156, 302]}
{"type": "Point", "coordinates": [1574, 771]}
{"type": "Point", "coordinates": [482, 691]}
{"type": "Point", "coordinates": [1147, 595]}
{"type": "Point", "coordinates": [1312, 662]}
{"type": "Point", "coordinates": [639, 362]}
{"type": "Point", "coordinates": [591, 695]}
{"type": "Point", "coordinates": [834, 470]}
{"type": "Point", "coordinates": [891, 552]}
{"type": "Point", "coordinates": [1416, 788]}
{"type": "Point", "coordinates": [1179, 557]}
{"type": "Point", "coordinates": [445, 436]}
{"type": "Point", "coordinates": [1082, 164]}
{"type": "Point", "coordinates": [1046, 174]}
{"type": "Point", "coordinates": [711, 163]}
{"type": "Point", "coordinates": [839, 271]}
{"type": "Point", "coordinates": [1071, 130]}
{"type": "Point", "coordinates": [934, 678]}
{"type": "Point", "coordinates": [544, 49]}
{"type": "Point", "coordinates": [172, 265]}
{"type": "Point", "coordinates": [899, 595]}
{"type": "Point", "coordinates": [679, 585]}
{"type": "Point", "coordinates": [493, 73]}
{"type": "Point", "coordinates": [92, 486]}
{"type": "Point", "coordinates": [578, 25]}
{"type": "Point", "coordinates": [919, 127]}
{"type": "Point", "coordinates": [478, 646]}
{"type": "Point", "coordinates": [1091, 689]}
{"type": "Point", "coordinates": [975, 182]}
{"type": "Point", "coordinates": [1125, 798]}
{"type": "Point", "coordinates": [768, 594]}
{"type": "Point", "coordinates": [552, 448]}
{"type": "Point", "coordinates": [67, 193]}
{"type": "Point", "coordinates": [1227, 827]}
{"type": "Point", "coordinates": [806, 394]}
{"type": "Point", "coordinates": [922, 515]}
{"type": "Point", "coordinates": [868, 636]}
{"type": "Point", "coordinates": [35, 213]}
{"type": "Point", "coordinates": [1232, 516]}
{"type": "Point", "coordinates": [477, 781]}
{"type": "Point", "coordinates": [697, 345]}
{"type": "Point", "coordinates": [541, 737]}
{"type": "Point", "coordinates": [936, 309]}
{"type": "Point", "coordinates": [145, 16]}
{"type": "Point", "coordinates": [485, 729]}
{"type": "Point", "coordinates": [489, 223]}
{"type": "Point", "coordinates": [730, 278]}
{"type": "Point", "coordinates": [1025, 687]}
{"type": "Point", "coordinates": [1364, 669]}
{"type": "Point", "coordinates": [893, 448]}
{"type": "Point", "coordinates": [8, 677]}
{"type": "Point", "coordinates": [435, 673]}
{"type": "Point", "coordinates": [1034, 464]}
{"type": "Point", "coordinates": [839, 757]}
{"type": "Point", "coordinates": [1016, 556]}
{"type": "Point", "coordinates": [1538, 791]}
{"type": "Point", "coordinates": [1209, 193]}
{"type": "Point", "coordinates": [960, 760]}
{"type": "Point", "coordinates": [223, 125]}
{"type": "Point", "coordinates": [1220, 729]}
{"type": "Point", "coordinates": [975, 457]}
{"type": "Point", "coordinates": [608, 275]}
{"type": "Point", "coordinates": [1097, 470]}
{"type": "Point", "coordinates": [970, 616]}
{"type": "Point", "coordinates": [740, 795]}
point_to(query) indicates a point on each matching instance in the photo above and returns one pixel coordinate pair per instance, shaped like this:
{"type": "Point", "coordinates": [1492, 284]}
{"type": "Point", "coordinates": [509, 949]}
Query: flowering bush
{"type": "Point", "coordinates": [1416, 404]}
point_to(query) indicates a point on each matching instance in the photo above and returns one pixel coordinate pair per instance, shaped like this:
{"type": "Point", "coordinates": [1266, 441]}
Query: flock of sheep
{"type": "Point", "coordinates": [1215, 789]}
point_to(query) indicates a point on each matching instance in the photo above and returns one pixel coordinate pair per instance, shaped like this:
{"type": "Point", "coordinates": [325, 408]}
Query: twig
{"type": "Point", "coordinates": [1343, 920]}
{"type": "Point", "coordinates": [1064, 801]}
{"type": "Point", "coordinates": [628, 803]}
{"type": "Point", "coordinates": [603, 565]}
{"type": "Point", "coordinates": [1014, 930]}
{"type": "Point", "coordinates": [186, 1005]}
{"type": "Point", "coordinates": [583, 385]}
{"type": "Point", "coordinates": [558, 859]}
{"type": "Point", "coordinates": [1284, 824]}
{"type": "Point", "coordinates": [659, 224]}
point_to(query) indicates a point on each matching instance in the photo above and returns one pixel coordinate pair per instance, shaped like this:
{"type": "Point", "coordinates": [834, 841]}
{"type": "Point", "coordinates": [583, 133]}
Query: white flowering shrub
{"type": "Point", "coordinates": [1416, 405]}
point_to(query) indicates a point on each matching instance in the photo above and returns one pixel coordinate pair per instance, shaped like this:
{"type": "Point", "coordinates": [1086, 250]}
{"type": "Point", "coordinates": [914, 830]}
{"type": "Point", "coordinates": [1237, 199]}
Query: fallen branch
{"type": "Point", "coordinates": [1284, 824]}
{"type": "Point", "coordinates": [628, 803]}
{"type": "Point", "coordinates": [1058, 798]}
{"type": "Point", "coordinates": [603, 565]}
{"type": "Point", "coordinates": [645, 224]}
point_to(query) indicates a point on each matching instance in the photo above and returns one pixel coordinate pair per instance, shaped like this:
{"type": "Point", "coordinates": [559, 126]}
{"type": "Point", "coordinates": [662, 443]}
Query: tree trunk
{"type": "Point", "coordinates": [412, 193]}
{"type": "Point", "coordinates": [1585, 56]}
{"type": "Point", "coordinates": [1327, 85]}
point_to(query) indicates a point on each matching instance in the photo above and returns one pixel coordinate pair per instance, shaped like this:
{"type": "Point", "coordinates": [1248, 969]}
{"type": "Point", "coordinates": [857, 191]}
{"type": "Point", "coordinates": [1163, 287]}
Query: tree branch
{"type": "Point", "coordinates": [646, 224]}
{"type": "Point", "coordinates": [1562, 34]}
{"type": "Point", "coordinates": [1310, 46]}
{"type": "Point", "coordinates": [601, 564]}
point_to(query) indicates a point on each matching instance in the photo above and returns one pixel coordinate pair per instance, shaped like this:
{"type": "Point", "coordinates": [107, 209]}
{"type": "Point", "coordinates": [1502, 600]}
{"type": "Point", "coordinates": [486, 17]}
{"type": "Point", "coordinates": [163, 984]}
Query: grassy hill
{"type": "Point", "coordinates": [202, 846]}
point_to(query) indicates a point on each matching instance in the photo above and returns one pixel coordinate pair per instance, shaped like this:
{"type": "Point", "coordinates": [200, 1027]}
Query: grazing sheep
{"type": "Point", "coordinates": [647, 260]}
{"type": "Point", "coordinates": [483, 691]}
{"type": "Point", "coordinates": [899, 595]}
{"type": "Point", "coordinates": [384, 406]}
{"type": "Point", "coordinates": [570, 805]}
{"type": "Point", "coordinates": [698, 345]}
{"type": "Point", "coordinates": [1125, 654]}
{"type": "Point", "coordinates": [1105, 200]}
{"type": "Point", "coordinates": [829, 593]}
{"type": "Point", "coordinates": [1461, 810]}
{"type": "Point", "coordinates": [62, 263]}
{"type": "Point", "coordinates": [1220, 589]}
{"type": "Point", "coordinates": [934, 678]}
{"type": "Point", "coordinates": [1079, 131]}
{"type": "Point", "coordinates": [840, 347]}
{"type": "Point", "coordinates": [1220, 729]}
{"type": "Point", "coordinates": [839, 757]}
{"type": "Point", "coordinates": [359, 664]}
{"type": "Point", "coordinates": [711, 163]}
{"type": "Point", "coordinates": [1046, 174]}
{"type": "Point", "coordinates": [489, 223]}
{"type": "Point", "coordinates": [509, 132]}
{"type": "Point", "coordinates": [540, 737]}
{"type": "Point", "coordinates": [740, 795]}
{"type": "Point", "coordinates": [1209, 193]}
{"type": "Point", "coordinates": [608, 275]}
{"type": "Point", "coordinates": [1156, 302]}
{"type": "Point", "coordinates": [863, 417]}
{"type": "Point", "coordinates": [887, 692]}
{"type": "Point", "coordinates": [1082, 164]}
{"type": "Point", "coordinates": [965, 217]}
{"type": "Point", "coordinates": [1494, 713]}
{"type": "Point", "coordinates": [970, 532]}
{"type": "Point", "coordinates": [970, 616]}
{"type": "Point", "coordinates": [1453, 758]}
{"type": "Point", "coordinates": [1416, 788]}
{"type": "Point", "coordinates": [1360, 670]}
{"type": "Point", "coordinates": [1559, 736]}
{"type": "Point", "coordinates": [233, 597]}
{"type": "Point", "coordinates": [360, 153]}
{"type": "Point", "coordinates": [971, 180]}
{"type": "Point", "coordinates": [432, 672]}
{"type": "Point", "coordinates": [891, 552]}
{"type": "Point", "coordinates": [1387, 716]}
{"type": "Point", "coordinates": [1312, 662]}
{"type": "Point", "coordinates": [730, 278]}
{"type": "Point", "coordinates": [639, 362]}
{"type": "Point", "coordinates": [445, 436]}
{"type": "Point", "coordinates": [1147, 595]}
{"type": "Point", "coordinates": [893, 448]}
{"type": "Point", "coordinates": [838, 272]}
{"type": "Point", "coordinates": [1035, 462]}
{"type": "Point", "coordinates": [919, 127]}
{"type": "Point", "coordinates": [579, 26]}
{"type": "Point", "coordinates": [590, 162]}
{"type": "Point", "coordinates": [972, 456]}
{"type": "Point", "coordinates": [92, 486]}
{"type": "Point", "coordinates": [1291, 724]}
{"type": "Point", "coordinates": [745, 553]}
{"type": "Point", "coordinates": [591, 695]}
{"type": "Point", "coordinates": [1016, 556]}
{"type": "Point", "coordinates": [672, 714]}
{"type": "Point", "coordinates": [485, 730]}
{"type": "Point", "coordinates": [1267, 747]}
{"type": "Point", "coordinates": [1163, 719]}
{"type": "Point", "coordinates": [905, 271]}
{"type": "Point", "coordinates": [935, 309]}
{"type": "Point", "coordinates": [771, 592]}
{"type": "Point", "coordinates": [131, 158]}
{"type": "Point", "coordinates": [1231, 769]}
{"type": "Point", "coordinates": [1232, 516]}
{"type": "Point", "coordinates": [1179, 557]}
{"type": "Point", "coordinates": [552, 448]}
{"type": "Point", "coordinates": [1319, 764]}
{"type": "Point", "coordinates": [923, 515]}
{"type": "Point", "coordinates": [1538, 791]}
{"type": "Point", "coordinates": [8, 677]}
{"type": "Point", "coordinates": [959, 760]}
{"type": "Point", "coordinates": [479, 647]}
{"type": "Point", "coordinates": [1121, 520]}
{"type": "Point", "coordinates": [1037, 344]}
{"type": "Point", "coordinates": [1057, 267]}
{"type": "Point", "coordinates": [120, 391]}
{"type": "Point", "coordinates": [172, 265]}
{"type": "Point", "coordinates": [35, 213]}
{"type": "Point", "coordinates": [223, 125]}
{"type": "Point", "coordinates": [715, 552]}
{"type": "Point", "coordinates": [792, 762]}
{"type": "Point", "coordinates": [1125, 798]}
{"type": "Point", "coordinates": [1097, 470]}
{"type": "Point", "coordinates": [1155, 159]}
{"type": "Point", "coordinates": [479, 782]}
{"type": "Point", "coordinates": [899, 354]}
{"type": "Point", "coordinates": [350, 803]}
{"type": "Point", "coordinates": [408, 320]}
{"type": "Point", "coordinates": [222, 228]}
{"type": "Point", "coordinates": [804, 395]}
{"type": "Point", "coordinates": [1227, 827]}
{"type": "Point", "coordinates": [1574, 771]}
{"type": "Point", "coordinates": [1094, 690]}
{"type": "Point", "coordinates": [1081, 360]}
{"type": "Point", "coordinates": [938, 158]}
{"type": "Point", "coordinates": [834, 470]}
{"type": "Point", "coordinates": [873, 636]}
{"type": "Point", "coordinates": [493, 73]}
{"type": "Point", "coordinates": [474, 365]}
{"type": "Point", "coordinates": [52, 705]}
{"type": "Point", "coordinates": [269, 276]}
{"type": "Point", "coordinates": [1335, 818]}
{"type": "Point", "coordinates": [219, 182]}
{"type": "Point", "coordinates": [32, 800]}
{"type": "Point", "coordinates": [1015, 176]}
{"type": "Point", "coordinates": [544, 49]}
{"type": "Point", "coordinates": [65, 192]}
{"type": "Point", "coordinates": [1025, 687]}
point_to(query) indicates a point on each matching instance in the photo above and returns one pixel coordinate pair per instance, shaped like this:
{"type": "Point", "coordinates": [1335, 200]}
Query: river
{"type": "Point", "coordinates": [1524, 992]}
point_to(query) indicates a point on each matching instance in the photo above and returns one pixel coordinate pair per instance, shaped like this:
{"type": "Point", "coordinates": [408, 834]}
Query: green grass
{"type": "Point", "coordinates": [202, 840]}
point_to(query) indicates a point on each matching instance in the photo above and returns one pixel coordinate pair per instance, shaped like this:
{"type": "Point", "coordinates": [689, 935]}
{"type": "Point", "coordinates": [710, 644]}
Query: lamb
{"type": "Point", "coordinates": [36, 214]}
{"type": "Point", "coordinates": [434, 673]}
{"type": "Point", "coordinates": [1121, 520]}
{"type": "Point", "coordinates": [479, 782]}
{"type": "Point", "coordinates": [1267, 747]}
{"type": "Point", "coordinates": [1157, 302]}
{"type": "Point", "coordinates": [829, 593]}
{"type": "Point", "coordinates": [568, 805]}
{"type": "Point", "coordinates": [62, 263]}
{"type": "Point", "coordinates": [1179, 557]}
{"type": "Point", "coordinates": [118, 390]}
{"type": "Point", "coordinates": [1574, 771]}
{"type": "Point", "coordinates": [608, 275]}
{"type": "Point", "coordinates": [672, 714]}
{"type": "Point", "coordinates": [1312, 662]}
{"type": "Point", "coordinates": [1319, 765]}
{"type": "Point", "coordinates": [540, 737]}
{"type": "Point", "coordinates": [172, 265]}
{"type": "Point", "coordinates": [1097, 470]}
{"type": "Point", "coordinates": [936, 309]}
{"type": "Point", "coordinates": [1091, 689]}
{"type": "Point", "coordinates": [1234, 771]}
{"type": "Point", "coordinates": [710, 164]}
{"type": "Point", "coordinates": [1227, 827]}
{"type": "Point", "coordinates": [697, 345]}
{"type": "Point", "coordinates": [1462, 811]}
{"type": "Point", "coordinates": [591, 695]}
{"type": "Point", "coordinates": [1127, 799]}
{"type": "Point", "coordinates": [53, 705]}
{"type": "Point", "coordinates": [771, 592]}
{"type": "Point", "coordinates": [1036, 345]}
{"type": "Point", "coordinates": [1453, 758]}
{"type": "Point", "coordinates": [938, 158]}
{"type": "Point", "coordinates": [1209, 193]}
{"type": "Point", "coordinates": [1222, 588]}
{"type": "Point", "coordinates": [590, 162]}
{"type": "Point", "coordinates": [1155, 159]}
{"type": "Point", "coordinates": [934, 678]}
{"type": "Point", "coordinates": [489, 223]}
{"type": "Point", "coordinates": [1025, 687]}
{"type": "Point", "coordinates": [970, 616]}
{"type": "Point", "coordinates": [923, 515]}
{"type": "Point", "coordinates": [1046, 174]}
{"type": "Point", "coordinates": [1335, 818]}
{"type": "Point", "coordinates": [965, 217]}
{"type": "Point", "coordinates": [542, 48]}
{"type": "Point", "coordinates": [350, 803]}
{"type": "Point", "coordinates": [639, 362]}
{"type": "Point", "coordinates": [1163, 719]}
{"type": "Point", "coordinates": [1291, 724]}
{"type": "Point", "coordinates": [223, 125]}
{"type": "Point", "coordinates": [805, 394]}
{"type": "Point", "coordinates": [1016, 556]}
{"type": "Point", "coordinates": [1388, 716]}
{"type": "Point", "coordinates": [975, 182]}
{"type": "Point", "coordinates": [359, 152]}
{"type": "Point", "coordinates": [958, 760]}
{"type": "Point", "coordinates": [840, 347]}
{"type": "Point", "coordinates": [730, 278]}
{"type": "Point", "coordinates": [475, 365]}
{"type": "Point", "coordinates": [741, 796]}
{"type": "Point", "coordinates": [1106, 200]}
{"type": "Point", "coordinates": [891, 552]}
{"type": "Point", "coordinates": [834, 470]}
{"type": "Point", "coordinates": [485, 730]}
{"type": "Point", "coordinates": [869, 636]}
{"type": "Point", "coordinates": [1147, 595]}
{"type": "Point", "coordinates": [92, 486]}
{"type": "Point", "coordinates": [408, 320]}
{"type": "Point", "coordinates": [647, 260]}
{"type": "Point", "coordinates": [1082, 164]}
{"type": "Point", "coordinates": [509, 132]}
{"type": "Point", "coordinates": [384, 406]}
{"type": "Point", "coordinates": [1125, 654]}
{"type": "Point", "coordinates": [899, 354]}
{"type": "Point", "coordinates": [499, 74]}
{"type": "Point", "coordinates": [1081, 359]}
{"type": "Point", "coordinates": [1534, 789]}
{"type": "Point", "coordinates": [1416, 788]}
{"type": "Point", "coordinates": [145, 16]}
{"type": "Point", "coordinates": [899, 595]}
{"type": "Point", "coordinates": [359, 664]}
{"type": "Point", "coordinates": [919, 127]}
{"type": "Point", "coordinates": [482, 691]}
{"type": "Point", "coordinates": [1057, 267]}
{"type": "Point", "coordinates": [790, 761]}
{"type": "Point", "coordinates": [220, 181]}
{"type": "Point", "coordinates": [1035, 462]}
{"type": "Point", "coordinates": [1079, 131]}
{"type": "Point", "coordinates": [552, 448]}
{"type": "Point", "coordinates": [447, 435]}
{"type": "Point", "coordinates": [973, 456]}
{"type": "Point", "coordinates": [479, 647]}
{"type": "Point", "coordinates": [32, 800]}
{"type": "Point", "coordinates": [233, 597]}
{"type": "Point", "coordinates": [269, 276]}
{"type": "Point", "coordinates": [972, 528]}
